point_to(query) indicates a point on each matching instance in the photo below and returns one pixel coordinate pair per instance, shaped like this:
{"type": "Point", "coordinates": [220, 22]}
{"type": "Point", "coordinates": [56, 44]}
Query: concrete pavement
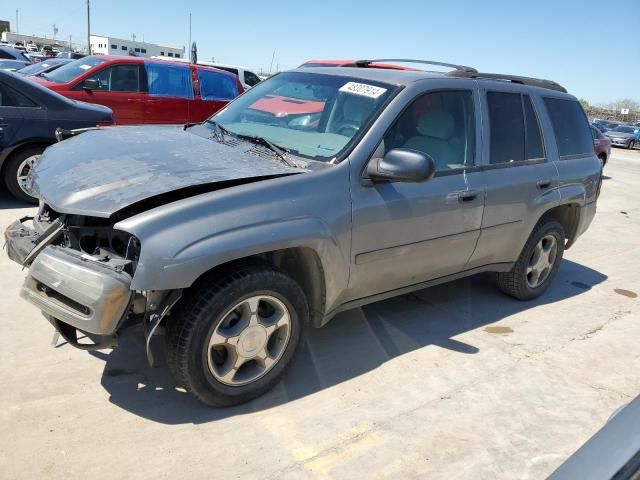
{"type": "Point", "coordinates": [457, 381]}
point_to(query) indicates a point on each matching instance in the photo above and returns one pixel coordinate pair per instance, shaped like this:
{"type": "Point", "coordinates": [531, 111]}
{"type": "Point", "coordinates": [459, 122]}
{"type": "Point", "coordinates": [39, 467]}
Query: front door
{"type": "Point", "coordinates": [119, 89]}
{"type": "Point", "coordinates": [407, 233]}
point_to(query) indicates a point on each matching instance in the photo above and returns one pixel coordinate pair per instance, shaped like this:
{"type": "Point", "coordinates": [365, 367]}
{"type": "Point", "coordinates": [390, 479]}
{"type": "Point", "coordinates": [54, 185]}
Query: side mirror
{"type": "Point", "coordinates": [91, 84]}
{"type": "Point", "coordinates": [400, 165]}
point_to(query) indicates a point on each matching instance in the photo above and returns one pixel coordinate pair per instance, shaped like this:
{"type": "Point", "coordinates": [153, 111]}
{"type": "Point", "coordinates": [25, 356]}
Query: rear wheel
{"type": "Point", "coordinates": [16, 173]}
{"type": "Point", "coordinates": [231, 341]}
{"type": "Point", "coordinates": [603, 158]}
{"type": "Point", "coordinates": [538, 263]}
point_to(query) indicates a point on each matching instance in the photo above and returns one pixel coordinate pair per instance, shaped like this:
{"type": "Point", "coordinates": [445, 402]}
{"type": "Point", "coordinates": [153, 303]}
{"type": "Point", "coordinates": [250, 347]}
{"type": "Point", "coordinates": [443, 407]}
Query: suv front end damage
{"type": "Point", "coordinates": [80, 272]}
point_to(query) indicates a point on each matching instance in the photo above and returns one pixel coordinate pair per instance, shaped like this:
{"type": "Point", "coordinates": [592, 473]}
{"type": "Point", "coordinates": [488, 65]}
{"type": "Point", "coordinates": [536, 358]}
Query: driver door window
{"type": "Point", "coordinates": [439, 124]}
{"type": "Point", "coordinates": [119, 78]}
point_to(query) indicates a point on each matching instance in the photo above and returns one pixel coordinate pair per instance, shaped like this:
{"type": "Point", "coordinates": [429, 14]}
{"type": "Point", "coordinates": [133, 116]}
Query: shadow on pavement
{"type": "Point", "coordinates": [352, 344]}
{"type": "Point", "coordinates": [8, 202]}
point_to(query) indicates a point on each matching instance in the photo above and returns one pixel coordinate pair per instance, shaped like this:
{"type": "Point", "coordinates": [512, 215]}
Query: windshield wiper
{"type": "Point", "coordinates": [220, 130]}
{"type": "Point", "coordinates": [280, 152]}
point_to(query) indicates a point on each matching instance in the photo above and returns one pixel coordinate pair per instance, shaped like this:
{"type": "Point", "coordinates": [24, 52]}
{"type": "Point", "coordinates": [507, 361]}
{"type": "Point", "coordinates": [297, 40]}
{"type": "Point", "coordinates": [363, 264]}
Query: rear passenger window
{"type": "Point", "coordinates": [216, 86]}
{"type": "Point", "coordinates": [506, 125]}
{"type": "Point", "coordinates": [514, 128]}
{"type": "Point", "coordinates": [10, 97]}
{"type": "Point", "coordinates": [570, 127]}
{"type": "Point", "coordinates": [169, 80]}
{"type": "Point", "coordinates": [251, 79]}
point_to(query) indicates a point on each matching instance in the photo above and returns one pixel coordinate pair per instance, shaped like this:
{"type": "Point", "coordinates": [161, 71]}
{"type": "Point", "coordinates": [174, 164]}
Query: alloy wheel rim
{"type": "Point", "coordinates": [24, 169]}
{"type": "Point", "coordinates": [542, 260]}
{"type": "Point", "coordinates": [249, 340]}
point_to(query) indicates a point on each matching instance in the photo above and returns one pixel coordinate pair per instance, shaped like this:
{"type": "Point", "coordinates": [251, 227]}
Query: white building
{"type": "Point", "coordinates": [101, 45]}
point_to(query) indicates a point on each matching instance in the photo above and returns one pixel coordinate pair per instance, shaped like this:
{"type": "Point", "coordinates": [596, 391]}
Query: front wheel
{"type": "Point", "coordinates": [631, 145]}
{"type": "Point", "coordinates": [230, 341]}
{"type": "Point", "coordinates": [538, 263]}
{"type": "Point", "coordinates": [17, 170]}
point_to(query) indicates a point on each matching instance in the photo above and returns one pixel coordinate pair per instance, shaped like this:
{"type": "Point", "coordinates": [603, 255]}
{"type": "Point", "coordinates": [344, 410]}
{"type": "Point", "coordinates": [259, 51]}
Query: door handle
{"type": "Point", "coordinates": [466, 196]}
{"type": "Point", "coordinates": [133, 100]}
{"type": "Point", "coordinates": [544, 184]}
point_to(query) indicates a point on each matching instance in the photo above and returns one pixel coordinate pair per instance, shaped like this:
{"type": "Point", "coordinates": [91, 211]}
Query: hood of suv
{"type": "Point", "coordinates": [100, 172]}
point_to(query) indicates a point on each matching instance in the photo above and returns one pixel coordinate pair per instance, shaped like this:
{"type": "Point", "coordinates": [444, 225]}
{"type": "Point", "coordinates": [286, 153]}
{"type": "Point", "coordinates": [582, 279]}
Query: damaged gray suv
{"type": "Point", "coordinates": [318, 190]}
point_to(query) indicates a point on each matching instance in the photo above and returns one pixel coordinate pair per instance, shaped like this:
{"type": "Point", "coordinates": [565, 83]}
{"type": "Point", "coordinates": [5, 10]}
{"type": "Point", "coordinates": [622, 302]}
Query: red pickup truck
{"type": "Point", "coordinates": [142, 90]}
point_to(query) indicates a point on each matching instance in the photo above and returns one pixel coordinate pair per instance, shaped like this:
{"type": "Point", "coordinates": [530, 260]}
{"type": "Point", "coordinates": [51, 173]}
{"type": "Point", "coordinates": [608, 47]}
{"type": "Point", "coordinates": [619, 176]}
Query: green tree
{"type": "Point", "coordinates": [584, 103]}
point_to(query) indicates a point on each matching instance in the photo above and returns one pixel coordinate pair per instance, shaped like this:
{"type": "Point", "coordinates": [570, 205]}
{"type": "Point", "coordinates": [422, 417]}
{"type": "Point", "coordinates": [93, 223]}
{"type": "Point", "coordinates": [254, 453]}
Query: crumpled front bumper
{"type": "Point", "coordinates": [69, 286]}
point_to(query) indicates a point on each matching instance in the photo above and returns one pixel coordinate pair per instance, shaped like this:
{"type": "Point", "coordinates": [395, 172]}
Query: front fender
{"type": "Point", "coordinates": [161, 269]}
{"type": "Point", "coordinates": [183, 240]}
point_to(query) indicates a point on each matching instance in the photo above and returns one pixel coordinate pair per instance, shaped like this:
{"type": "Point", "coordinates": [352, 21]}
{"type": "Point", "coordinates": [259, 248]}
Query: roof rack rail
{"type": "Point", "coordinates": [534, 82]}
{"type": "Point", "coordinates": [366, 63]}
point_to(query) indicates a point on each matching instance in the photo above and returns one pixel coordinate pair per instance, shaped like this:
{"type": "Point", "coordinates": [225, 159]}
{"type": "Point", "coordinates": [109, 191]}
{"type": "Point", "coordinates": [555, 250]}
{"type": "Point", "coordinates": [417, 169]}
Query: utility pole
{"type": "Point", "coordinates": [17, 23]}
{"type": "Point", "coordinates": [189, 47]}
{"type": "Point", "coordinates": [88, 29]}
{"type": "Point", "coordinates": [70, 48]}
{"type": "Point", "coordinates": [271, 64]}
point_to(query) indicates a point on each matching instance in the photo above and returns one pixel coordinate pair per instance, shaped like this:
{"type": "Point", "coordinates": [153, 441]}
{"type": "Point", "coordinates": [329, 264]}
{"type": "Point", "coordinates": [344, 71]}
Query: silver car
{"type": "Point", "coordinates": [317, 191]}
{"type": "Point", "coordinates": [622, 136]}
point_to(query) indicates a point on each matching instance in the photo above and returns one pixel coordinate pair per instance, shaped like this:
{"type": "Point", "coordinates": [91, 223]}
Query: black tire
{"type": "Point", "coordinates": [11, 173]}
{"type": "Point", "coordinates": [631, 145]}
{"type": "Point", "coordinates": [201, 310]}
{"type": "Point", "coordinates": [603, 158]}
{"type": "Point", "coordinates": [514, 282]}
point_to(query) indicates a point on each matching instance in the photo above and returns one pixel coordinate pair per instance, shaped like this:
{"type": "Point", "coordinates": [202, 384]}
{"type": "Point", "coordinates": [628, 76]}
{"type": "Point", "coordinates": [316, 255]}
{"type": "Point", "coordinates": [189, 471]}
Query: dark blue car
{"type": "Point", "coordinates": [29, 116]}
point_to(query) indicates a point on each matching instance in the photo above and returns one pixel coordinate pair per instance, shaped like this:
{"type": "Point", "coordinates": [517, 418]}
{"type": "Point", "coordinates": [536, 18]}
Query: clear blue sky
{"type": "Point", "coordinates": [570, 41]}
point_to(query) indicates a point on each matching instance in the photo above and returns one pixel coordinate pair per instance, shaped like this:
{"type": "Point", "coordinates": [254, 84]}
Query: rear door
{"type": "Point", "coordinates": [519, 176]}
{"type": "Point", "coordinates": [120, 89]}
{"type": "Point", "coordinates": [171, 93]}
{"type": "Point", "coordinates": [11, 115]}
{"type": "Point", "coordinates": [215, 90]}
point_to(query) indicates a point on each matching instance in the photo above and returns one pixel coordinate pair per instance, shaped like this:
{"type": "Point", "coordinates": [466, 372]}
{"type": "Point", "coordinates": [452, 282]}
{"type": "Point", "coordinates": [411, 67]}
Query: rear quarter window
{"type": "Point", "coordinates": [570, 127]}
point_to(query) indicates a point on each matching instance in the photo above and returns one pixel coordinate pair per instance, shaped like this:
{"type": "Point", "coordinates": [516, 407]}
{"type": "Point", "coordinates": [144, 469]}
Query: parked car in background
{"type": "Point", "coordinates": [604, 125]}
{"type": "Point", "coordinates": [247, 78]}
{"type": "Point", "coordinates": [70, 55]}
{"type": "Point", "coordinates": [29, 116]}
{"type": "Point", "coordinates": [602, 145]}
{"type": "Point", "coordinates": [45, 66]}
{"type": "Point", "coordinates": [9, 53]}
{"type": "Point", "coordinates": [143, 90]}
{"type": "Point", "coordinates": [622, 136]}
{"type": "Point", "coordinates": [236, 235]}
{"type": "Point", "coordinates": [13, 65]}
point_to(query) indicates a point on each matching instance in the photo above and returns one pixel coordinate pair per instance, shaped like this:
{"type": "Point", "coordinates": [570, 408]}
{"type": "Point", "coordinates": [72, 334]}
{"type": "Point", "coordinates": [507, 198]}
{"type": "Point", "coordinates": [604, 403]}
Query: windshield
{"type": "Point", "coordinates": [36, 67]}
{"type": "Point", "coordinates": [10, 65]}
{"type": "Point", "coordinates": [311, 115]}
{"type": "Point", "coordinates": [71, 70]}
{"type": "Point", "coordinates": [624, 129]}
